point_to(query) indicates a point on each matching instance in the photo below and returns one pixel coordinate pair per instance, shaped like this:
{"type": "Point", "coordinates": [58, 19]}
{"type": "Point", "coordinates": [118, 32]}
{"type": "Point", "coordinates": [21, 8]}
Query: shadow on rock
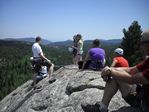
{"type": "Point", "coordinates": [95, 108]}
{"type": "Point", "coordinates": [90, 108]}
{"type": "Point", "coordinates": [127, 109]}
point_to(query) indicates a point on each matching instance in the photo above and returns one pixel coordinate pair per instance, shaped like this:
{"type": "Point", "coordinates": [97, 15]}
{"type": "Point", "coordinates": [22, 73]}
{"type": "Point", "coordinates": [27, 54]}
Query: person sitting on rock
{"type": "Point", "coordinates": [113, 85]}
{"type": "Point", "coordinates": [119, 60]}
{"type": "Point", "coordinates": [95, 58]}
{"type": "Point", "coordinates": [40, 59]}
{"type": "Point", "coordinates": [138, 74]}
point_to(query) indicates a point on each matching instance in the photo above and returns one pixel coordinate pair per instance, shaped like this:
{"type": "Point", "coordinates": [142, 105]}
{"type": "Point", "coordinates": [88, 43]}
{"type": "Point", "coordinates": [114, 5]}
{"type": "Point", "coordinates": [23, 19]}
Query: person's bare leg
{"type": "Point", "coordinates": [75, 60]}
{"type": "Point", "coordinates": [79, 58]}
{"type": "Point", "coordinates": [110, 90]}
{"type": "Point", "coordinates": [51, 70]}
{"type": "Point", "coordinates": [126, 88]}
{"type": "Point", "coordinates": [34, 79]}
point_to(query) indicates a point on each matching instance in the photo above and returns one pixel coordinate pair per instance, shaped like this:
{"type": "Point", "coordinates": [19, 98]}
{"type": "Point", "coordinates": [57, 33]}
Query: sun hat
{"type": "Point", "coordinates": [119, 51]}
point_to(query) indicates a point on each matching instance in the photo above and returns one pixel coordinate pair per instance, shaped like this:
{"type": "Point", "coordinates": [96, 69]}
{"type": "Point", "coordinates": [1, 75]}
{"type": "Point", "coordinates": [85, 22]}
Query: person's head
{"type": "Point", "coordinates": [38, 39]}
{"type": "Point", "coordinates": [119, 51]}
{"type": "Point", "coordinates": [145, 41]}
{"type": "Point", "coordinates": [78, 37]}
{"type": "Point", "coordinates": [96, 43]}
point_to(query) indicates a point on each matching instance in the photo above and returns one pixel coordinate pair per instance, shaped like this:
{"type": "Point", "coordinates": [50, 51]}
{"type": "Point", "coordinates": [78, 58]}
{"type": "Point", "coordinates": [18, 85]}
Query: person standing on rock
{"type": "Point", "coordinates": [40, 59]}
{"type": "Point", "coordinates": [138, 74]}
{"type": "Point", "coordinates": [74, 51]}
{"type": "Point", "coordinates": [79, 48]}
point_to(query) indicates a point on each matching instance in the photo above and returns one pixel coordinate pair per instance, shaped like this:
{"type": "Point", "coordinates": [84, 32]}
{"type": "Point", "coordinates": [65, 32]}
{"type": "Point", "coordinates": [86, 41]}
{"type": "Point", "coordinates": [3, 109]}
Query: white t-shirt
{"type": "Point", "coordinates": [36, 49]}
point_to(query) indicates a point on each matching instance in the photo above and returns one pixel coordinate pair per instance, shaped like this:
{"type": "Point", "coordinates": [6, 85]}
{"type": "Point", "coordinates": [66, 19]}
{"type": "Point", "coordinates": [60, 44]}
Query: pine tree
{"type": "Point", "coordinates": [131, 43]}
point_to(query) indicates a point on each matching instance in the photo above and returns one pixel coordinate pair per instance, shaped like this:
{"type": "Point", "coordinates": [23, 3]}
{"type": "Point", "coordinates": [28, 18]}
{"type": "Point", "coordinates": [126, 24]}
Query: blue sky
{"type": "Point", "coordinates": [59, 20]}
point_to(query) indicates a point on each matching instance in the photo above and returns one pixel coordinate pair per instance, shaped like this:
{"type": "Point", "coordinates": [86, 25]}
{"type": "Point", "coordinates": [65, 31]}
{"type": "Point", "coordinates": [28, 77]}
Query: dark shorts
{"type": "Point", "coordinates": [140, 100]}
{"type": "Point", "coordinates": [74, 52]}
{"type": "Point", "coordinates": [145, 98]}
{"type": "Point", "coordinates": [94, 65]}
{"type": "Point", "coordinates": [91, 65]}
{"type": "Point", "coordinates": [38, 63]}
{"type": "Point", "coordinates": [145, 106]}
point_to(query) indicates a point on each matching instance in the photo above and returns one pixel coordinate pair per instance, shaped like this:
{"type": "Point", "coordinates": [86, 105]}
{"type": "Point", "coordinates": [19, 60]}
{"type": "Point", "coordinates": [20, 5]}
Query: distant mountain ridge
{"type": "Point", "coordinates": [63, 43]}
{"type": "Point", "coordinates": [28, 39]}
{"type": "Point", "coordinates": [102, 41]}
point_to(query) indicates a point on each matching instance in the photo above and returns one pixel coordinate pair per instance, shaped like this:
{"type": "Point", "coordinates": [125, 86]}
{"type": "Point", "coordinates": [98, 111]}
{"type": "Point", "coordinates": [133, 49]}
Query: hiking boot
{"type": "Point", "coordinates": [38, 87]}
{"type": "Point", "coordinates": [51, 80]}
{"type": "Point", "coordinates": [102, 107]}
{"type": "Point", "coordinates": [90, 108]}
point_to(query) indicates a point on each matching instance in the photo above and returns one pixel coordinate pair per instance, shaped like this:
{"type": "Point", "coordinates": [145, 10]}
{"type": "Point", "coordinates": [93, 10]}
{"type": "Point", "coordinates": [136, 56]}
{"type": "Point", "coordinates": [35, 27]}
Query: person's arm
{"type": "Point", "coordinates": [130, 70]}
{"type": "Point", "coordinates": [74, 47]}
{"type": "Point", "coordinates": [129, 78]}
{"type": "Point", "coordinates": [114, 63]}
{"type": "Point", "coordinates": [40, 52]}
{"type": "Point", "coordinates": [124, 75]}
{"type": "Point", "coordinates": [43, 57]}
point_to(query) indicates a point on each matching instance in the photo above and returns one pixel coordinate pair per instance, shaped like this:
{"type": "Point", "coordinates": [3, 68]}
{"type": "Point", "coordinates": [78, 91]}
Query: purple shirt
{"type": "Point", "coordinates": [97, 53]}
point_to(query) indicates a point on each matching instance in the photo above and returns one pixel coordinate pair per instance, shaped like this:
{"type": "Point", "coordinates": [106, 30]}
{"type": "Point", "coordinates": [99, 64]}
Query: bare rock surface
{"type": "Point", "coordinates": [72, 91]}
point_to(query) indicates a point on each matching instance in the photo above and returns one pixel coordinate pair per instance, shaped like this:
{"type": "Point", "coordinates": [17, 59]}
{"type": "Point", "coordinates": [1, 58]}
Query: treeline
{"type": "Point", "coordinates": [14, 66]}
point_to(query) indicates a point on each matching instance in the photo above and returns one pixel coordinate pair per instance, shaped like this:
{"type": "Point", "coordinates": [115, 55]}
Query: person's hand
{"type": "Point", "coordinates": [106, 73]}
{"type": "Point", "coordinates": [49, 60]}
{"type": "Point", "coordinates": [72, 46]}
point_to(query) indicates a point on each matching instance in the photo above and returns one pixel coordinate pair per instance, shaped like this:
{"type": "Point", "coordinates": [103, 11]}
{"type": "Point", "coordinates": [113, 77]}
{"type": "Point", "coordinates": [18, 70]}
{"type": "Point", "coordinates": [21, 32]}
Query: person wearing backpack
{"type": "Point", "coordinates": [40, 59]}
{"type": "Point", "coordinates": [138, 74]}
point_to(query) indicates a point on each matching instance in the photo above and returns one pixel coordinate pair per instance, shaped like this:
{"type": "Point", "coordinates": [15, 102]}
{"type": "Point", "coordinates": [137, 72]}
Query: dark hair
{"type": "Point", "coordinates": [96, 42]}
{"type": "Point", "coordinates": [38, 39]}
{"type": "Point", "coordinates": [79, 35]}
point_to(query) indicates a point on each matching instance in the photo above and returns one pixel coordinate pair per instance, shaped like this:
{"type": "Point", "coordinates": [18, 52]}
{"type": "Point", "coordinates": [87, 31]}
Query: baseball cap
{"type": "Point", "coordinates": [119, 51]}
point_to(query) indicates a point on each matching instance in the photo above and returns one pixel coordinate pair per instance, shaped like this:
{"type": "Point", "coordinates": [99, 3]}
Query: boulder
{"type": "Point", "coordinates": [72, 91]}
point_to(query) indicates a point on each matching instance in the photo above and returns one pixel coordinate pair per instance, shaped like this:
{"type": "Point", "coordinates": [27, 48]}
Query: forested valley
{"type": "Point", "coordinates": [15, 57]}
